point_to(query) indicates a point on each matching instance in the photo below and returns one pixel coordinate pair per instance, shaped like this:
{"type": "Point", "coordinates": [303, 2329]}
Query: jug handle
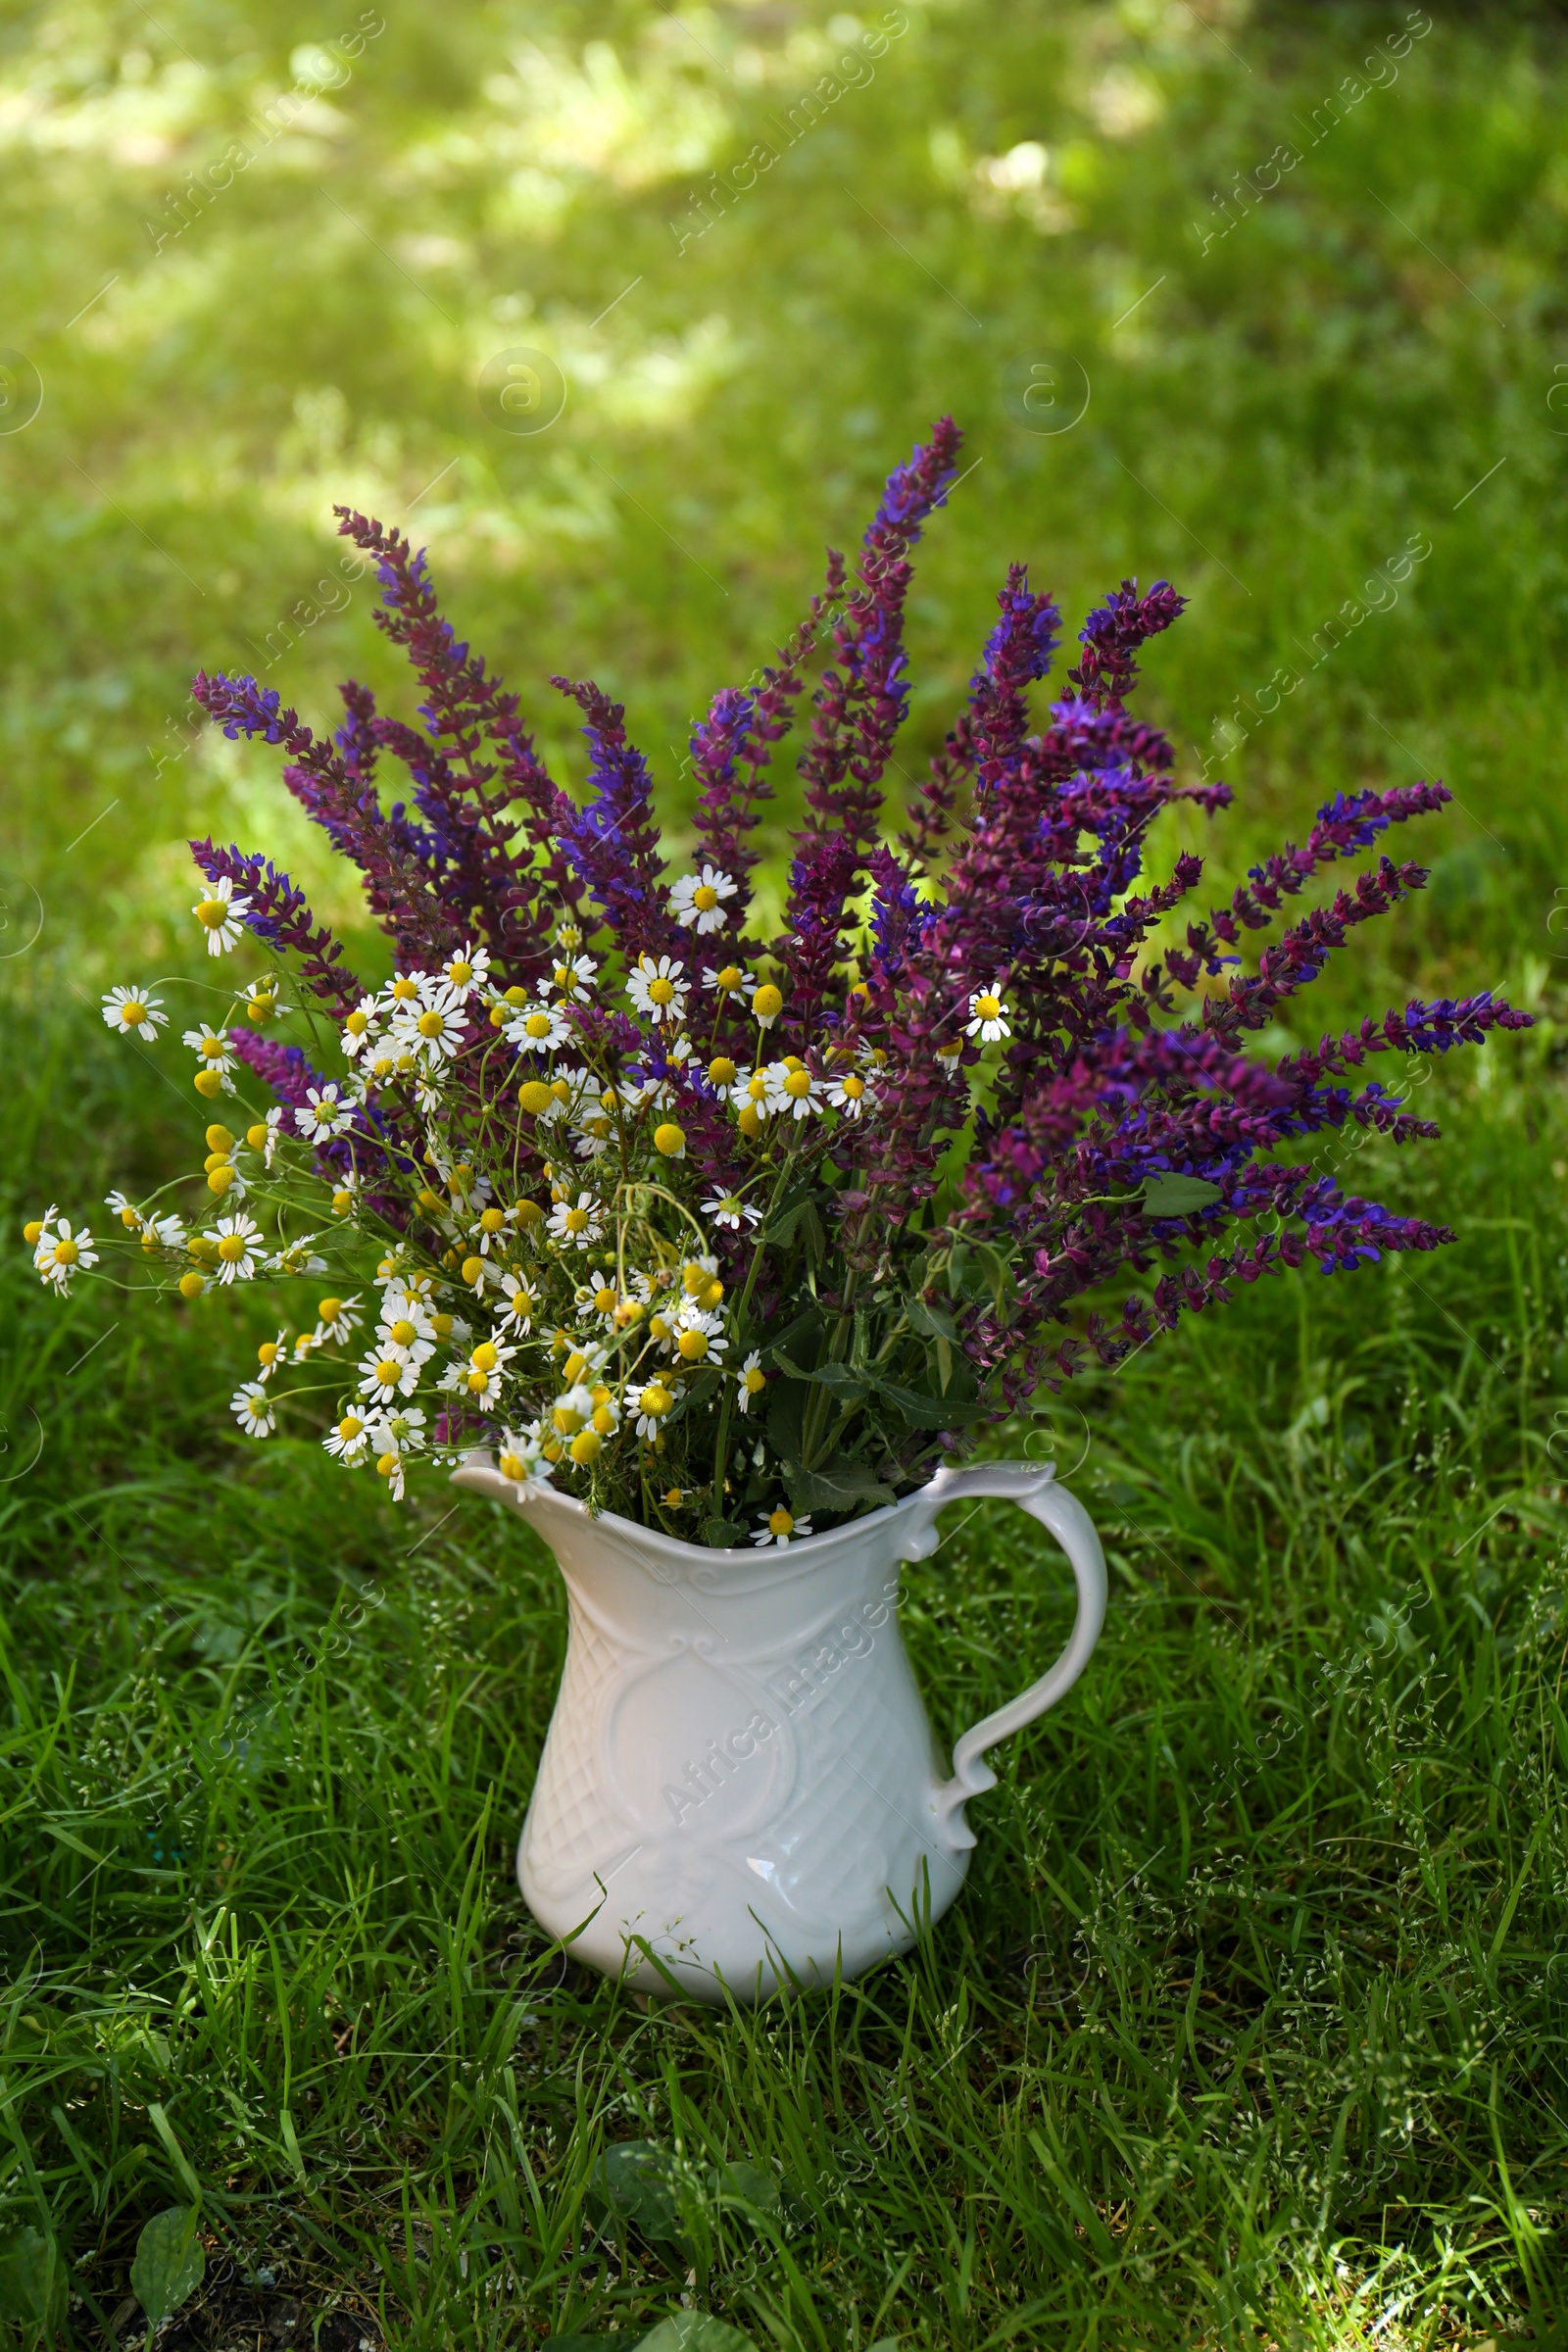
{"type": "Point", "coordinates": [1034, 1488]}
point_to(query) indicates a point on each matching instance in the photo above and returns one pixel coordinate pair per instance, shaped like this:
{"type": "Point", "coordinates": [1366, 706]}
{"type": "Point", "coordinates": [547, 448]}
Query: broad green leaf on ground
{"type": "Point", "coordinates": [695, 2332]}
{"type": "Point", "coordinates": [168, 2265]}
{"type": "Point", "coordinates": [639, 2182]}
{"type": "Point", "coordinates": [33, 2283]}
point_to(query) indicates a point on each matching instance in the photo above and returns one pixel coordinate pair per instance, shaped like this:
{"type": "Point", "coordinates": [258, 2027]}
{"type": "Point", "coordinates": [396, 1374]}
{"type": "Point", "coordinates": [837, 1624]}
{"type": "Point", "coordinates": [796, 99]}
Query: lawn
{"type": "Point", "coordinates": [1249, 2029]}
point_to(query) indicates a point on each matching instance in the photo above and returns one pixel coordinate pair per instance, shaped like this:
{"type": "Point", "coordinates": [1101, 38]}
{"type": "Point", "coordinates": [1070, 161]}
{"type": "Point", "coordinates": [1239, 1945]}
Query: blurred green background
{"type": "Point", "coordinates": [1236, 2030]}
{"type": "Point", "coordinates": [1287, 383]}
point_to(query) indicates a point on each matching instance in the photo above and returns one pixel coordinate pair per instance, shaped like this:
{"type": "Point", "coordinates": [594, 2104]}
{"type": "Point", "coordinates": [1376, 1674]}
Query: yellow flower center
{"type": "Point", "coordinates": [403, 1333]}
{"type": "Point", "coordinates": [604, 1302]}
{"type": "Point", "coordinates": [478, 1383]}
{"type": "Point", "coordinates": [386, 1464]}
{"type": "Point", "coordinates": [66, 1253]}
{"type": "Point", "coordinates": [512, 1465]}
{"type": "Point", "coordinates": [854, 1087]}
{"type": "Point", "coordinates": [485, 1356]}
{"type": "Point", "coordinates": [459, 973]}
{"type": "Point", "coordinates": [473, 1268]}
{"type": "Point", "coordinates": [563, 975]}
{"type": "Point", "coordinates": [767, 1001]}
{"type": "Point", "coordinates": [492, 1220]}
{"type": "Point", "coordinates": [566, 1420]}
{"type": "Point", "coordinates": [386, 1372]}
{"type": "Point", "coordinates": [404, 990]}
{"type": "Point", "coordinates": [705, 897]}
{"type": "Point", "coordinates": [674, 1496]}
{"type": "Point", "coordinates": [755, 1380]}
{"type": "Point", "coordinates": [586, 1446]}
{"type": "Point", "coordinates": [721, 1072]}
{"type": "Point", "coordinates": [133, 1013]}
{"type": "Point", "coordinates": [268, 1353]}
{"type": "Point", "coordinates": [430, 1024]}
{"type": "Point", "coordinates": [576, 1221]}
{"type": "Point", "coordinates": [443, 1326]}
{"type": "Point", "coordinates": [211, 1047]}
{"type": "Point", "coordinates": [669, 1139]}
{"type": "Point", "coordinates": [780, 1521]}
{"type": "Point", "coordinates": [798, 1084]}
{"type": "Point", "coordinates": [349, 1426]}
{"type": "Point", "coordinates": [231, 1248]}
{"type": "Point", "coordinates": [537, 1024]}
{"type": "Point", "coordinates": [357, 1023]}
{"type": "Point", "coordinates": [657, 1401]}
{"type": "Point", "coordinates": [660, 991]}
{"type": "Point", "coordinates": [988, 1006]}
{"type": "Point", "coordinates": [692, 1346]}
{"type": "Point", "coordinates": [328, 1309]}
{"type": "Point", "coordinates": [756, 1087]}
{"type": "Point", "coordinates": [213, 913]}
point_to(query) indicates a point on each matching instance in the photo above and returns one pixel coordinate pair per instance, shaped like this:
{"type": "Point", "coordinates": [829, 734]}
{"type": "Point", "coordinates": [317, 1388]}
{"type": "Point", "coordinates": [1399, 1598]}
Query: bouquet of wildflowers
{"type": "Point", "coordinates": [736, 1235]}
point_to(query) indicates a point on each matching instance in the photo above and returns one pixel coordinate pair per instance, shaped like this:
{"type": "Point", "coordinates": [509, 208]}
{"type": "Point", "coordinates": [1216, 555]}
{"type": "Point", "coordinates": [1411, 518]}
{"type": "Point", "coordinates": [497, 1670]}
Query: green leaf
{"type": "Point", "coordinates": [583, 2343]}
{"type": "Point", "coordinates": [169, 2264]}
{"type": "Point", "coordinates": [933, 1321]}
{"type": "Point", "coordinates": [841, 1381]}
{"type": "Point", "coordinates": [930, 1412]}
{"type": "Point", "coordinates": [639, 2183]}
{"type": "Point", "coordinates": [32, 2284]}
{"type": "Point", "coordinates": [695, 2332]}
{"type": "Point", "coordinates": [836, 1484]}
{"type": "Point", "coordinates": [785, 1418]}
{"type": "Point", "coordinates": [725, 1533]}
{"type": "Point", "coordinates": [1178, 1196]}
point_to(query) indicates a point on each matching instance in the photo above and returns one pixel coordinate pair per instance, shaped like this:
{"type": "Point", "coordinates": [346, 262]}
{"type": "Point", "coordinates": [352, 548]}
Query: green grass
{"type": "Point", "coordinates": [1249, 2029]}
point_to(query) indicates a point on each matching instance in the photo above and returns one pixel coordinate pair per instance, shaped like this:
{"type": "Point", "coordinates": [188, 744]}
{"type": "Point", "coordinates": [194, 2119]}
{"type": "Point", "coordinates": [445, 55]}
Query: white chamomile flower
{"type": "Point", "coordinates": [580, 1221]}
{"type": "Point", "coordinates": [221, 917]}
{"type": "Point", "coordinates": [163, 1233]}
{"type": "Point", "coordinates": [63, 1252]}
{"type": "Point", "coordinates": [729, 1211]}
{"type": "Point", "coordinates": [520, 1460]}
{"type": "Point", "coordinates": [572, 1411]}
{"type": "Point", "coordinates": [400, 992]}
{"type": "Point", "coordinates": [650, 1403]}
{"type": "Point", "coordinates": [537, 1028]}
{"type": "Point", "coordinates": [359, 1027]}
{"type": "Point", "coordinates": [468, 969]}
{"type": "Point", "coordinates": [698, 1334]}
{"type": "Point", "coordinates": [750, 1381]}
{"type": "Point", "coordinates": [729, 980]}
{"type": "Point", "coordinates": [135, 1012]}
{"type": "Point", "coordinates": [657, 986]}
{"type": "Point", "coordinates": [349, 1439]}
{"type": "Point", "coordinates": [988, 1015]}
{"type": "Point", "coordinates": [851, 1094]}
{"type": "Point", "coordinates": [477, 1378]}
{"type": "Point", "coordinates": [336, 1320]}
{"type": "Point", "coordinates": [262, 1001]}
{"type": "Point", "coordinates": [571, 976]}
{"type": "Point", "coordinates": [273, 1123]}
{"type": "Point", "coordinates": [324, 1113]}
{"type": "Point", "coordinates": [271, 1353]}
{"type": "Point", "coordinates": [780, 1527]}
{"type": "Point", "coordinates": [297, 1258]}
{"type": "Point", "coordinates": [522, 1305]}
{"type": "Point", "coordinates": [438, 1028]}
{"type": "Point", "coordinates": [793, 1092]}
{"type": "Point", "coordinates": [126, 1210]}
{"type": "Point", "coordinates": [212, 1052]}
{"type": "Point", "coordinates": [239, 1256]}
{"type": "Point", "coordinates": [753, 1094]}
{"type": "Point", "coordinates": [699, 899]}
{"type": "Point", "coordinates": [395, 1435]}
{"type": "Point", "coordinates": [251, 1408]}
{"type": "Point", "coordinates": [406, 1331]}
{"type": "Point", "coordinates": [384, 1374]}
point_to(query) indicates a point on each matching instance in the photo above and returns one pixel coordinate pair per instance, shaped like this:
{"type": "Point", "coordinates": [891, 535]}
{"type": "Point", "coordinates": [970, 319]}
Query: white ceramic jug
{"type": "Point", "coordinates": [739, 1773]}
